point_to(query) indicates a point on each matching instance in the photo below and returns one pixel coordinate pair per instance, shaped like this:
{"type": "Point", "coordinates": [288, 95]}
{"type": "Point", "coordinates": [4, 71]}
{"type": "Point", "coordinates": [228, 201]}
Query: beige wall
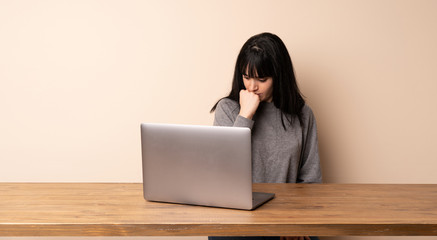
{"type": "Point", "coordinates": [78, 77]}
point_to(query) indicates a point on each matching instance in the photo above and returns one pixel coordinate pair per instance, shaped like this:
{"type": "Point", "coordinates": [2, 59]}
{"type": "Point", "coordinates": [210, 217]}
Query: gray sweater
{"type": "Point", "coordinates": [278, 155]}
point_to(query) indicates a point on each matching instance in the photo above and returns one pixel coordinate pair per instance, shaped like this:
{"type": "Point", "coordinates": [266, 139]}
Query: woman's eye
{"type": "Point", "coordinates": [262, 79]}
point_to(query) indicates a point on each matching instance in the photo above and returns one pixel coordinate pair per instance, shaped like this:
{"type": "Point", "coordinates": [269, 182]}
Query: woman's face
{"type": "Point", "coordinates": [263, 87]}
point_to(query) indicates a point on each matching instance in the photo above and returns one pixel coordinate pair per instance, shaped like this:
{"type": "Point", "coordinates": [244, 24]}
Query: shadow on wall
{"type": "Point", "coordinates": [332, 130]}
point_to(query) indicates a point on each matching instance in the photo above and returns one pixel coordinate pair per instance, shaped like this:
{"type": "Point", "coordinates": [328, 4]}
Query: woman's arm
{"type": "Point", "coordinates": [226, 114]}
{"type": "Point", "coordinates": [309, 171]}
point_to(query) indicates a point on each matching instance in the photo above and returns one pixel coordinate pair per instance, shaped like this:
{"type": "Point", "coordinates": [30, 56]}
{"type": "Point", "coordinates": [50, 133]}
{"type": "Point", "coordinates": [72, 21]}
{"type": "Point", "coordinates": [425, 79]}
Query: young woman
{"type": "Point", "coordinates": [265, 98]}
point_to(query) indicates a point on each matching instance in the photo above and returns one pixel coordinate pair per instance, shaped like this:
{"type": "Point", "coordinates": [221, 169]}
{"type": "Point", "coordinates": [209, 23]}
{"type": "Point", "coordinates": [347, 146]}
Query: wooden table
{"type": "Point", "coordinates": [118, 209]}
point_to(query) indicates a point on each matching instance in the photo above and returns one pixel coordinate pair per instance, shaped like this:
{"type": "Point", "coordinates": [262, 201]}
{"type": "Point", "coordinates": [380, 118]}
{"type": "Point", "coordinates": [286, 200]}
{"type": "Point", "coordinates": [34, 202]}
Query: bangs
{"type": "Point", "coordinates": [256, 64]}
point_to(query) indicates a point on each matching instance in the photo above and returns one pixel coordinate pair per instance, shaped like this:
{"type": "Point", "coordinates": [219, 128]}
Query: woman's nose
{"type": "Point", "coordinates": [252, 86]}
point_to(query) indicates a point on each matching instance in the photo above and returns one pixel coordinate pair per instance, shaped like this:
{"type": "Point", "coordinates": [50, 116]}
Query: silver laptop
{"type": "Point", "coordinates": [199, 165]}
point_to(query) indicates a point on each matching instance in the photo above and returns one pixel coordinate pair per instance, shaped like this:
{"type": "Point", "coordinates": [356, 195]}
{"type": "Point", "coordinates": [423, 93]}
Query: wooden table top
{"type": "Point", "coordinates": [118, 209]}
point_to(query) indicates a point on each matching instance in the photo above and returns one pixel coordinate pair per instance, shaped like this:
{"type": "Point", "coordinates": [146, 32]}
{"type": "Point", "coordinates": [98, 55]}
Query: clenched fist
{"type": "Point", "coordinates": [249, 103]}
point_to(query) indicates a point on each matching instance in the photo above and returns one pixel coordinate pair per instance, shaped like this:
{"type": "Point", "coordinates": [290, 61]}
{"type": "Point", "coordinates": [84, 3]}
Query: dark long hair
{"type": "Point", "coordinates": [265, 55]}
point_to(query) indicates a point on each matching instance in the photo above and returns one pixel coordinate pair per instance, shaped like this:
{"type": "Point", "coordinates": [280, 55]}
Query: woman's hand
{"type": "Point", "coordinates": [295, 238]}
{"type": "Point", "coordinates": [249, 103]}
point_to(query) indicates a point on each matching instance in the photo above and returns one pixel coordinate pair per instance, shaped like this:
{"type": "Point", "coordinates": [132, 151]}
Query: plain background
{"type": "Point", "coordinates": [78, 77]}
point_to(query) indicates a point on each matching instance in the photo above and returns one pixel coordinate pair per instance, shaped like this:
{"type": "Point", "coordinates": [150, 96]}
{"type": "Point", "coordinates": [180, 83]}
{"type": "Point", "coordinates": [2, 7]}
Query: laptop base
{"type": "Point", "coordinates": [259, 198]}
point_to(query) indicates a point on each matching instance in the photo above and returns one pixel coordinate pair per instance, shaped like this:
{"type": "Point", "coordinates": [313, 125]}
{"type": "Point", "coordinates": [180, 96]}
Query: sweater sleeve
{"type": "Point", "coordinates": [310, 171]}
{"type": "Point", "coordinates": [226, 114]}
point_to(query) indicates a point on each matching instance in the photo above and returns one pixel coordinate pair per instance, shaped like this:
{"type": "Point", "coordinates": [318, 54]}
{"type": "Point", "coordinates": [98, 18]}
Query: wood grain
{"type": "Point", "coordinates": [118, 209]}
